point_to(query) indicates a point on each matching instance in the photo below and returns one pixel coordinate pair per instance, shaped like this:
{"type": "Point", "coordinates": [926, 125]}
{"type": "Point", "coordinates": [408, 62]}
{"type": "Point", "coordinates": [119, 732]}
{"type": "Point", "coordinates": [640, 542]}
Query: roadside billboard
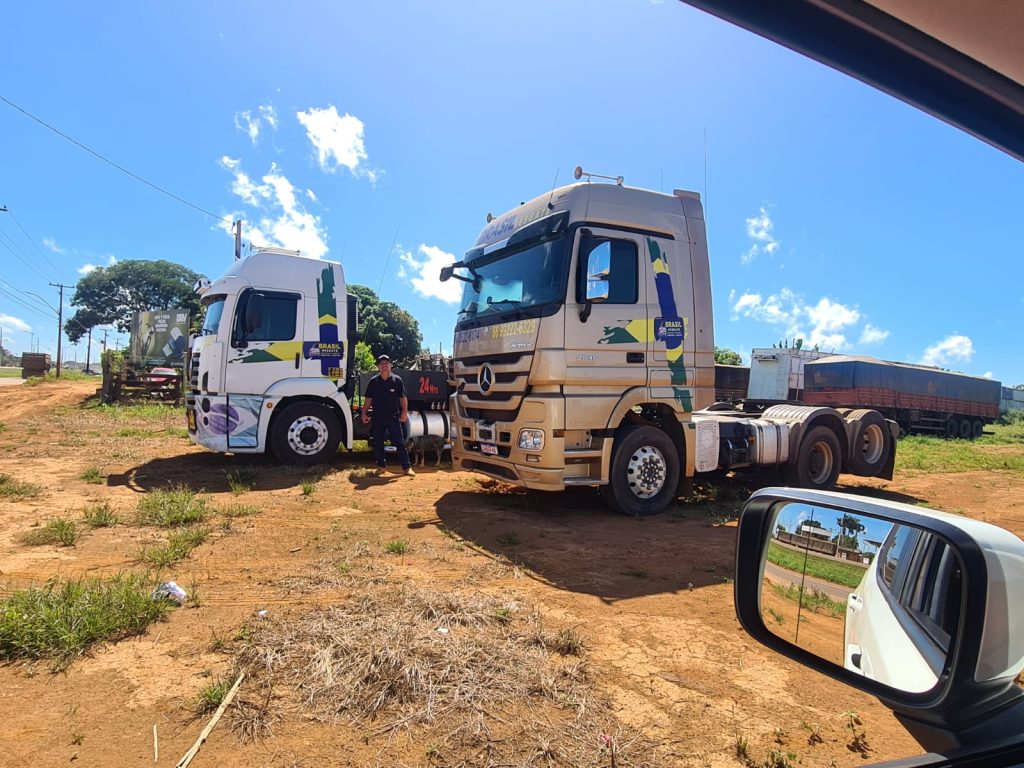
{"type": "Point", "coordinates": [159, 338]}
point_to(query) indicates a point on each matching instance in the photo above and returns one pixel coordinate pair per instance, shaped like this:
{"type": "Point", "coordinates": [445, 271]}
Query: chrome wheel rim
{"type": "Point", "coordinates": [307, 435]}
{"type": "Point", "coordinates": [646, 472]}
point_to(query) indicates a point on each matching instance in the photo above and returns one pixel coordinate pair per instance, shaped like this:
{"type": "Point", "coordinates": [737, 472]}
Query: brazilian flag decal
{"type": "Point", "coordinates": [330, 346]}
{"type": "Point", "coordinates": [669, 328]}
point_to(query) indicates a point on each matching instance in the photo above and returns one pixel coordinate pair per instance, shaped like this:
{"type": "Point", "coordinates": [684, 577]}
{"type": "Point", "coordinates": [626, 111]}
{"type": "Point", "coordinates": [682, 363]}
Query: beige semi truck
{"type": "Point", "coordinates": [584, 355]}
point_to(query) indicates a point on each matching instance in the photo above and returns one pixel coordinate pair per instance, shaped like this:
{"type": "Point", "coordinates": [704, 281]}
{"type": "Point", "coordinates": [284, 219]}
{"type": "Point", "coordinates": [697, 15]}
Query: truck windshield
{"type": "Point", "coordinates": [516, 278]}
{"type": "Point", "coordinates": [214, 309]}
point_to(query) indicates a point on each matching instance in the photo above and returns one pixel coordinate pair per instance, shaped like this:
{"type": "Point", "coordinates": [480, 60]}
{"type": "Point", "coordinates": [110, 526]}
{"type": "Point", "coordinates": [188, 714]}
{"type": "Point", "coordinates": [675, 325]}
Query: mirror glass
{"type": "Point", "coordinates": [879, 598]}
{"type": "Point", "coordinates": [597, 291]}
{"type": "Point", "coordinates": [599, 261]}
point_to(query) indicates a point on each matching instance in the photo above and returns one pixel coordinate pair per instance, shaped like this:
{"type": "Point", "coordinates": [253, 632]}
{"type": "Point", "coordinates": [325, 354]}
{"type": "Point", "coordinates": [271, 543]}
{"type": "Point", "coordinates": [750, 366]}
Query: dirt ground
{"type": "Point", "coordinates": [651, 598]}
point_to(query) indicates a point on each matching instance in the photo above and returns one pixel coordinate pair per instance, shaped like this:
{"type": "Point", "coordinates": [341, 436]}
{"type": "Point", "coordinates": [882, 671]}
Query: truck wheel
{"type": "Point", "coordinates": [817, 460]}
{"type": "Point", "coordinates": [869, 446]}
{"type": "Point", "coordinates": [952, 427]}
{"type": "Point", "coordinates": [966, 430]}
{"type": "Point", "coordinates": [644, 471]}
{"type": "Point", "coordinates": [305, 433]}
{"type": "Point", "coordinates": [977, 429]}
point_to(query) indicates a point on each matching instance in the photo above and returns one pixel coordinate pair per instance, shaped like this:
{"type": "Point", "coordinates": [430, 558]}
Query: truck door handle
{"type": "Point", "coordinates": [297, 360]}
{"type": "Point", "coordinates": [634, 357]}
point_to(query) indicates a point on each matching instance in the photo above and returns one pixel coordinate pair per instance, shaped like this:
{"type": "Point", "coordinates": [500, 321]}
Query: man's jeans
{"type": "Point", "coordinates": [393, 429]}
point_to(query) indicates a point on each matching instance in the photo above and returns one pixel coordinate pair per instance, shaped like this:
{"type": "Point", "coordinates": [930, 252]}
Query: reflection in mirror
{"type": "Point", "coordinates": [878, 598]}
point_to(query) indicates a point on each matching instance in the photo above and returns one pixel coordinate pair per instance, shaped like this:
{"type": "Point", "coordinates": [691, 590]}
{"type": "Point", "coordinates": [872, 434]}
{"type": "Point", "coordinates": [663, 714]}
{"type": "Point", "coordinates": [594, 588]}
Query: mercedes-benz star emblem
{"type": "Point", "coordinates": [486, 378]}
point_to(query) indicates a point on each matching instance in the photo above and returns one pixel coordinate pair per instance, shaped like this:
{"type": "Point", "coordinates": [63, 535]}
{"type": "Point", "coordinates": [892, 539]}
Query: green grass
{"type": "Point", "coordinates": [35, 381]}
{"type": "Point", "coordinates": [93, 475]}
{"type": "Point", "coordinates": [813, 600]}
{"type": "Point", "coordinates": [823, 568]}
{"type": "Point", "coordinates": [100, 516]}
{"type": "Point", "coordinates": [62, 619]}
{"type": "Point", "coordinates": [308, 488]}
{"type": "Point", "coordinates": [10, 373]}
{"type": "Point", "coordinates": [509, 539]}
{"type": "Point", "coordinates": [212, 695]}
{"type": "Point", "coordinates": [241, 479]}
{"type": "Point", "coordinates": [919, 453]}
{"type": "Point", "coordinates": [241, 510]}
{"type": "Point", "coordinates": [173, 507]}
{"type": "Point", "coordinates": [179, 545]}
{"type": "Point", "coordinates": [397, 547]}
{"type": "Point", "coordinates": [141, 411]}
{"type": "Point", "coordinates": [59, 531]}
{"type": "Point", "coordinates": [15, 490]}
{"type": "Point", "coordinates": [135, 432]}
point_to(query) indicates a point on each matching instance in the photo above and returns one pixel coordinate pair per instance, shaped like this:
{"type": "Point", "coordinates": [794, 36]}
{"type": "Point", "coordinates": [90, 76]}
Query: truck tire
{"type": "Point", "coordinates": [644, 471]}
{"type": "Point", "coordinates": [305, 433]}
{"type": "Point", "coordinates": [966, 430]}
{"type": "Point", "coordinates": [977, 429]}
{"type": "Point", "coordinates": [817, 460]}
{"type": "Point", "coordinates": [870, 443]}
{"type": "Point", "coordinates": [952, 427]}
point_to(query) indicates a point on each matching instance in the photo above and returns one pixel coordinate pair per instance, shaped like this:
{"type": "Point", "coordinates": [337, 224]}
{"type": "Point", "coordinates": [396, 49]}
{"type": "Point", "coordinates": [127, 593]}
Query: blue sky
{"type": "Point", "coordinates": [835, 213]}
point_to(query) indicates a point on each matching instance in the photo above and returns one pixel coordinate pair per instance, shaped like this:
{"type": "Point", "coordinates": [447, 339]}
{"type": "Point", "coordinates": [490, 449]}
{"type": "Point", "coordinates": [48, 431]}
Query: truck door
{"type": "Point", "coordinates": [606, 338]}
{"type": "Point", "coordinates": [671, 347]}
{"type": "Point", "coordinates": [266, 341]}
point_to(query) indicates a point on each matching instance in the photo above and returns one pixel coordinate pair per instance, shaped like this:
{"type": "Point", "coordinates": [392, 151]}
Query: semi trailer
{"type": "Point", "coordinates": [584, 356]}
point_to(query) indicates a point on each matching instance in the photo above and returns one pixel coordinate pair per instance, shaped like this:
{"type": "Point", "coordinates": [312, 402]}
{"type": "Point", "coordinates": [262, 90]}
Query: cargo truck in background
{"type": "Point", "coordinates": [584, 355]}
{"type": "Point", "coordinates": [272, 368]}
{"type": "Point", "coordinates": [919, 398]}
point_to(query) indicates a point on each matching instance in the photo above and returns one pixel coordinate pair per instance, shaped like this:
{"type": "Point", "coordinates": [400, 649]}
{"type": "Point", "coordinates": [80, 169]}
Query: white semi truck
{"type": "Point", "coordinates": [272, 366]}
{"type": "Point", "coordinates": [584, 355]}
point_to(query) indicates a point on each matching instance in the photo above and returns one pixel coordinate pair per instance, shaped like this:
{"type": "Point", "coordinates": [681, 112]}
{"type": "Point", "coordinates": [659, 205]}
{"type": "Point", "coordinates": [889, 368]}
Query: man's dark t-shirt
{"type": "Point", "coordinates": [385, 394]}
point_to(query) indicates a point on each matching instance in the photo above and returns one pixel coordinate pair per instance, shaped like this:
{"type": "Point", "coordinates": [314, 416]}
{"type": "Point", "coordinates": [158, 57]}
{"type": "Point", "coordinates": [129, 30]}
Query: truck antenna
{"type": "Point", "coordinates": [553, 185]}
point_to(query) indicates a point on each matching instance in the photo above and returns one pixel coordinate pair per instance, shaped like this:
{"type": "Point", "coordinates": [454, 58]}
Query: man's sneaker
{"type": "Point", "coordinates": [410, 472]}
{"type": "Point", "coordinates": [380, 471]}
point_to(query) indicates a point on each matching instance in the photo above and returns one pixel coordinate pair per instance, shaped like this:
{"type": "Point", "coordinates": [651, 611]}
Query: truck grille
{"type": "Point", "coordinates": [509, 383]}
{"type": "Point", "coordinates": [193, 374]}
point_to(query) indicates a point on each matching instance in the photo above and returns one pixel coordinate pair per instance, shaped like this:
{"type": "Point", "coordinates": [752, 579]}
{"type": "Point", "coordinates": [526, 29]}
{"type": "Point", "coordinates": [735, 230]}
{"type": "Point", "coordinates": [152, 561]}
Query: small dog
{"type": "Point", "coordinates": [419, 445]}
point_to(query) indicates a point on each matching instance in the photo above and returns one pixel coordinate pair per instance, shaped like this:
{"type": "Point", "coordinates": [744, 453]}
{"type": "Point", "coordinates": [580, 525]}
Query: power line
{"type": "Point", "coordinates": [29, 238]}
{"type": "Point", "coordinates": [112, 163]}
{"type": "Point", "coordinates": [22, 256]}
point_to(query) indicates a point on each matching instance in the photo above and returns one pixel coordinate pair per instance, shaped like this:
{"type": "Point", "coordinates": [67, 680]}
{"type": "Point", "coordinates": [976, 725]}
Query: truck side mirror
{"type": "Point", "coordinates": [918, 608]}
{"type": "Point", "coordinates": [447, 272]}
{"type": "Point", "coordinates": [597, 291]}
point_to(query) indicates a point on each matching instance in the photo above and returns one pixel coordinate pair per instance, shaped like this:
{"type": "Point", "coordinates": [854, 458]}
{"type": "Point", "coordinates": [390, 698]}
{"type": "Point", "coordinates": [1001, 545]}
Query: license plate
{"type": "Point", "coordinates": [191, 421]}
{"type": "Point", "coordinates": [489, 448]}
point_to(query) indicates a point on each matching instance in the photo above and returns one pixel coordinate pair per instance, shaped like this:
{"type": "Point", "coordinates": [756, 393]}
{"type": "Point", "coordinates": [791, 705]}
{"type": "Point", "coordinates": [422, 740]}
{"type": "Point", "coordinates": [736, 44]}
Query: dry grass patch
{"type": "Point", "coordinates": [15, 490]}
{"type": "Point", "coordinates": [59, 531]}
{"type": "Point", "coordinates": [464, 671]}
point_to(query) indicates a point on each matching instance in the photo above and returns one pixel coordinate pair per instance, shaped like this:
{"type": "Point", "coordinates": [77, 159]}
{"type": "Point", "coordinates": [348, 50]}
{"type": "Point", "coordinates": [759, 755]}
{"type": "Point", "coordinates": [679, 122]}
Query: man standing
{"type": "Point", "coordinates": [385, 395]}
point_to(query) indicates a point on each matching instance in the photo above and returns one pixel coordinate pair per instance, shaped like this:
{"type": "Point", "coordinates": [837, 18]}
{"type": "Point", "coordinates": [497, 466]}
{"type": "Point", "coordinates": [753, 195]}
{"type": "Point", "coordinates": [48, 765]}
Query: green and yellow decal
{"type": "Point", "coordinates": [670, 328]}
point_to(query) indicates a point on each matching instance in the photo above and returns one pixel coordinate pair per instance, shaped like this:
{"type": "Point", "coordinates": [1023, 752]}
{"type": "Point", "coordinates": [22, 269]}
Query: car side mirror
{"type": "Point", "coordinates": [919, 608]}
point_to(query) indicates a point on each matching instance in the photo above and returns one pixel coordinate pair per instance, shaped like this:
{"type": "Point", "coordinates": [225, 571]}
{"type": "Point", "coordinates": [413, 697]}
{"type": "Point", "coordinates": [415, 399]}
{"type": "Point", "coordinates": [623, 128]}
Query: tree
{"type": "Point", "coordinates": [364, 357]}
{"type": "Point", "coordinates": [387, 328]}
{"type": "Point", "coordinates": [111, 295]}
{"type": "Point", "coordinates": [851, 528]}
{"type": "Point", "coordinates": [725, 356]}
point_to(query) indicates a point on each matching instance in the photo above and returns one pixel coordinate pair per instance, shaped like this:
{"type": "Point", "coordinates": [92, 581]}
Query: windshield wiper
{"type": "Point", "coordinates": [492, 303]}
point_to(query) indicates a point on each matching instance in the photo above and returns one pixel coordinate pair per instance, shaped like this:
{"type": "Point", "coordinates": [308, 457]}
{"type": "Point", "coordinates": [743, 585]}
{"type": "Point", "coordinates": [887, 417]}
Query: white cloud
{"type": "Point", "coordinates": [9, 323]}
{"type": "Point", "coordinates": [51, 244]}
{"type": "Point", "coordinates": [281, 219]}
{"type": "Point", "coordinates": [424, 274]}
{"type": "Point", "coordinates": [941, 353]}
{"type": "Point", "coordinates": [987, 375]}
{"type": "Point", "coordinates": [822, 324]}
{"type": "Point", "coordinates": [759, 229]}
{"type": "Point", "coordinates": [85, 269]}
{"type": "Point", "coordinates": [338, 140]}
{"type": "Point", "coordinates": [253, 124]}
{"type": "Point", "coordinates": [311, 195]}
{"type": "Point", "coordinates": [872, 335]}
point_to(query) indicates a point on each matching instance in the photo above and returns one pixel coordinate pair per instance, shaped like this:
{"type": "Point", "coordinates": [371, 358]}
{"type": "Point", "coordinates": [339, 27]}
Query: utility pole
{"type": "Point", "coordinates": [1, 345]}
{"type": "Point", "coordinates": [104, 339]}
{"type": "Point", "coordinates": [88, 352]}
{"type": "Point", "coordinates": [238, 239]}
{"type": "Point", "coordinates": [60, 323]}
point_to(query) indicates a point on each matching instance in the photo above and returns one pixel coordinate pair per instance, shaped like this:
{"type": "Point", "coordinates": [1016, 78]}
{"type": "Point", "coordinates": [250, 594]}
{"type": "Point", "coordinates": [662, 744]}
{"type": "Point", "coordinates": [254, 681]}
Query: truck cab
{"type": "Point", "coordinates": [269, 368]}
{"type": "Point", "coordinates": [584, 355]}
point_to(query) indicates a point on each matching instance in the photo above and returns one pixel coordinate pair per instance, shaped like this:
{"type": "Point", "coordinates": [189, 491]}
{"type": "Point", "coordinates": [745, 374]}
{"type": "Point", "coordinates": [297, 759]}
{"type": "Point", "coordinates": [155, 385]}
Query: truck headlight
{"type": "Point", "coordinates": [531, 439]}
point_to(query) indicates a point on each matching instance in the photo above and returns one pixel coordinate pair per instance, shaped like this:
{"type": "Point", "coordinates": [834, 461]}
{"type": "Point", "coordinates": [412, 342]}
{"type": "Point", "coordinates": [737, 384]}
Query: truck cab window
{"type": "Point", "coordinates": [266, 316]}
{"type": "Point", "coordinates": [622, 257]}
